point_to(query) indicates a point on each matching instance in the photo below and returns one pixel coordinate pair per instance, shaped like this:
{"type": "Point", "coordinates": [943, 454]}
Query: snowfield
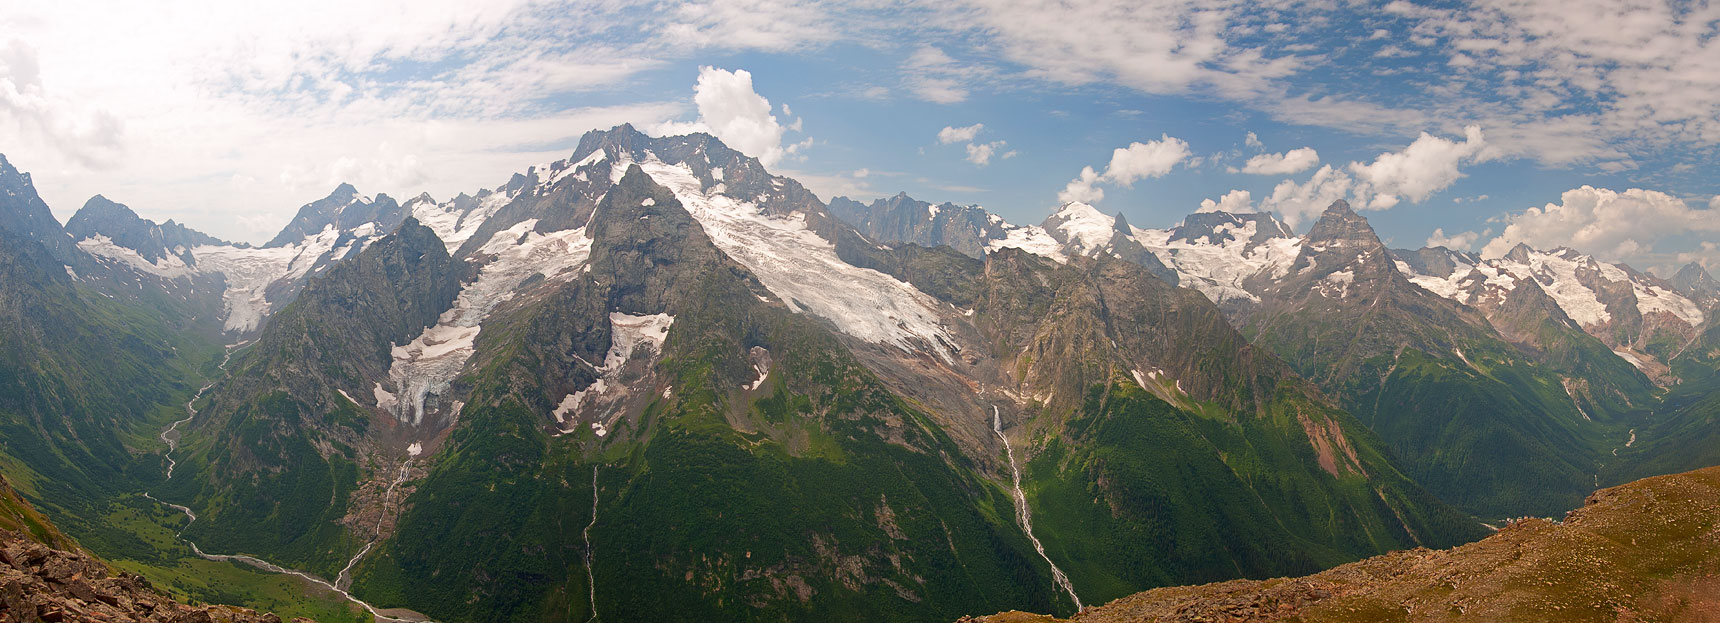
{"type": "Point", "coordinates": [429, 363]}
{"type": "Point", "coordinates": [803, 270]}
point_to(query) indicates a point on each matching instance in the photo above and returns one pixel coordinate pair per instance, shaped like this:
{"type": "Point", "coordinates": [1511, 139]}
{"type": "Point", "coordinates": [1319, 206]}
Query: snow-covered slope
{"type": "Point", "coordinates": [802, 269]}
{"type": "Point", "coordinates": [1218, 253]}
{"type": "Point", "coordinates": [1590, 291]}
{"type": "Point", "coordinates": [1642, 318]}
{"type": "Point", "coordinates": [255, 280]}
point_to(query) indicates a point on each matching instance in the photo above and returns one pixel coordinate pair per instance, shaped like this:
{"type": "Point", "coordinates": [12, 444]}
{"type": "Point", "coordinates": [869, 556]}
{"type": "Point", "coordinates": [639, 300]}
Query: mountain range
{"type": "Point", "coordinates": [653, 380]}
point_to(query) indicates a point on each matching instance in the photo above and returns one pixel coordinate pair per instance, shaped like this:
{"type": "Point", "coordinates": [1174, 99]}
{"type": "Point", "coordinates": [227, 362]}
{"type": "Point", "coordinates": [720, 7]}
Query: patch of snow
{"type": "Point", "coordinates": [627, 332]}
{"type": "Point", "coordinates": [648, 202]}
{"type": "Point", "coordinates": [931, 210]}
{"type": "Point", "coordinates": [169, 266]}
{"type": "Point", "coordinates": [347, 396]}
{"type": "Point", "coordinates": [453, 226]}
{"type": "Point", "coordinates": [763, 373]}
{"type": "Point", "coordinates": [1032, 239]}
{"type": "Point", "coordinates": [1652, 298]}
{"type": "Point", "coordinates": [429, 363]}
{"type": "Point", "coordinates": [803, 270]}
{"type": "Point", "coordinates": [1632, 358]}
{"type": "Point", "coordinates": [72, 273]}
{"type": "Point", "coordinates": [1084, 227]}
{"type": "Point", "coordinates": [1219, 270]}
{"type": "Point", "coordinates": [1559, 279]}
{"type": "Point", "coordinates": [384, 399]}
{"type": "Point", "coordinates": [415, 449]}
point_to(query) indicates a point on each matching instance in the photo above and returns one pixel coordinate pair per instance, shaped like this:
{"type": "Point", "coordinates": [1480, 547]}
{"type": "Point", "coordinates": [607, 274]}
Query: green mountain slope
{"type": "Point", "coordinates": [1473, 417]}
{"type": "Point", "coordinates": [818, 495]}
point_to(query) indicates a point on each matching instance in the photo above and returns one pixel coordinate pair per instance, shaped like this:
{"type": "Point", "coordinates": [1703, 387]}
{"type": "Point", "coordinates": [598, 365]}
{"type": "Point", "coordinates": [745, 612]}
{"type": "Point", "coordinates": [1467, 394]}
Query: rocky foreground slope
{"type": "Point", "coordinates": [45, 577]}
{"type": "Point", "coordinates": [1644, 551]}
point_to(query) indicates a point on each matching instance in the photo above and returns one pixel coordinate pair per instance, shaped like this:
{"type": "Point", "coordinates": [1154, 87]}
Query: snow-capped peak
{"type": "Point", "coordinates": [1081, 226]}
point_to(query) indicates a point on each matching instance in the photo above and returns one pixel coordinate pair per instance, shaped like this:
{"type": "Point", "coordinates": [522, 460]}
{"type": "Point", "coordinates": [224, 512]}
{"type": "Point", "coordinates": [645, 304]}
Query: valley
{"type": "Point", "coordinates": [654, 378]}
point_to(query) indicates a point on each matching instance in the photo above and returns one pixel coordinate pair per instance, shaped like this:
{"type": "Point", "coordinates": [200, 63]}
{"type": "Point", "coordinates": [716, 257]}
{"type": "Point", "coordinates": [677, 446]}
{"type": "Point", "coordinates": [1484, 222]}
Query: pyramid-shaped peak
{"type": "Point", "coordinates": [1520, 253]}
{"type": "Point", "coordinates": [1341, 225]}
{"type": "Point", "coordinates": [1121, 225]}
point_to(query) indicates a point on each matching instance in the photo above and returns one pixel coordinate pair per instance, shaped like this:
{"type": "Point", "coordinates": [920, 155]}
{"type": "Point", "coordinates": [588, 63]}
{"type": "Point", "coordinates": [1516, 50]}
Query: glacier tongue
{"type": "Point", "coordinates": [429, 363]}
{"type": "Point", "coordinates": [803, 270]}
{"type": "Point", "coordinates": [250, 271]}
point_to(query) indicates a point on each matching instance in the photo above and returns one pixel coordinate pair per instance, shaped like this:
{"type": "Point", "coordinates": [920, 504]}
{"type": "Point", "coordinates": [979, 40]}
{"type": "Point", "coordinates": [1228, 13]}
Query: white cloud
{"type": "Point", "coordinates": [1616, 226]}
{"type": "Point", "coordinates": [951, 134]}
{"type": "Point", "coordinates": [1234, 202]}
{"type": "Point", "coordinates": [771, 25]}
{"type": "Point", "coordinates": [1714, 203]}
{"type": "Point", "coordinates": [1149, 159]}
{"type": "Point", "coordinates": [1428, 165]}
{"type": "Point", "coordinates": [149, 103]}
{"type": "Point", "coordinates": [738, 116]}
{"type": "Point", "coordinates": [1084, 188]}
{"type": "Point", "coordinates": [1293, 161]}
{"type": "Point", "coordinates": [980, 153]}
{"type": "Point", "coordinates": [1158, 46]}
{"type": "Point", "coordinates": [932, 75]}
{"type": "Point", "coordinates": [1461, 242]}
{"type": "Point", "coordinates": [1253, 140]}
{"type": "Point", "coordinates": [1296, 203]}
{"type": "Point", "coordinates": [1128, 164]}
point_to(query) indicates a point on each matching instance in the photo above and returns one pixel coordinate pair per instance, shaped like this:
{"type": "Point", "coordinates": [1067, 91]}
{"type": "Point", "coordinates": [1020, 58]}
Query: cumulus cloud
{"type": "Point", "coordinates": [1617, 226]}
{"type": "Point", "coordinates": [1428, 165]}
{"type": "Point", "coordinates": [731, 110]}
{"type": "Point", "coordinates": [1293, 161]}
{"type": "Point", "coordinates": [738, 115]}
{"type": "Point", "coordinates": [981, 153]}
{"type": "Point", "coordinates": [1234, 202]}
{"type": "Point", "coordinates": [1128, 164]}
{"type": "Point", "coordinates": [1461, 242]}
{"type": "Point", "coordinates": [965, 134]}
{"type": "Point", "coordinates": [1296, 203]}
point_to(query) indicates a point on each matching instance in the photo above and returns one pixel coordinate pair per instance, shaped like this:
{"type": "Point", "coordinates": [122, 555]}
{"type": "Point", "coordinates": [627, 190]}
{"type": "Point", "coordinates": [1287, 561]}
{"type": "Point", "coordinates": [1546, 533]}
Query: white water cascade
{"type": "Point", "coordinates": [590, 556]}
{"type": "Point", "coordinates": [1024, 514]}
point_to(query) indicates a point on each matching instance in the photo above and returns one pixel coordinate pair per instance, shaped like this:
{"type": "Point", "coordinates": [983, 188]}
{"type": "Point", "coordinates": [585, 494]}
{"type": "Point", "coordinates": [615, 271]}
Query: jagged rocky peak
{"type": "Point", "coordinates": [1343, 242]}
{"type": "Point", "coordinates": [1221, 227]}
{"type": "Point", "coordinates": [117, 222]}
{"type": "Point", "coordinates": [1694, 281]}
{"type": "Point", "coordinates": [1436, 261]}
{"type": "Point", "coordinates": [22, 212]}
{"type": "Point", "coordinates": [344, 209]}
{"type": "Point", "coordinates": [1341, 226]}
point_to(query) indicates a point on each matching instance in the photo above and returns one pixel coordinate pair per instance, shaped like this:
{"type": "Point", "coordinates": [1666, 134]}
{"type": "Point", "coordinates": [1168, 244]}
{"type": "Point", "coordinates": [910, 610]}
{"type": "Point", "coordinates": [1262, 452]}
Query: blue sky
{"type": "Point", "coordinates": [1541, 116]}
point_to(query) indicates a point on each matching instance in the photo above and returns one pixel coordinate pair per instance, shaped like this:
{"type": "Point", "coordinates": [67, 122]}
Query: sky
{"type": "Point", "coordinates": [1593, 124]}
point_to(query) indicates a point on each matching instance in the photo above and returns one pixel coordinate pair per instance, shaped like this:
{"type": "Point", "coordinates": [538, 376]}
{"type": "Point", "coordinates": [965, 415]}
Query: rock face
{"type": "Point", "coordinates": [25, 215]}
{"type": "Point", "coordinates": [1643, 551]}
{"type": "Point", "coordinates": [903, 219]}
{"type": "Point", "coordinates": [102, 217]}
{"type": "Point", "coordinates": [1694, 281]}
{"type": "Point", "coordinates": [40, 583]}
{"type": "Point", "coordinates": [343, 209]}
